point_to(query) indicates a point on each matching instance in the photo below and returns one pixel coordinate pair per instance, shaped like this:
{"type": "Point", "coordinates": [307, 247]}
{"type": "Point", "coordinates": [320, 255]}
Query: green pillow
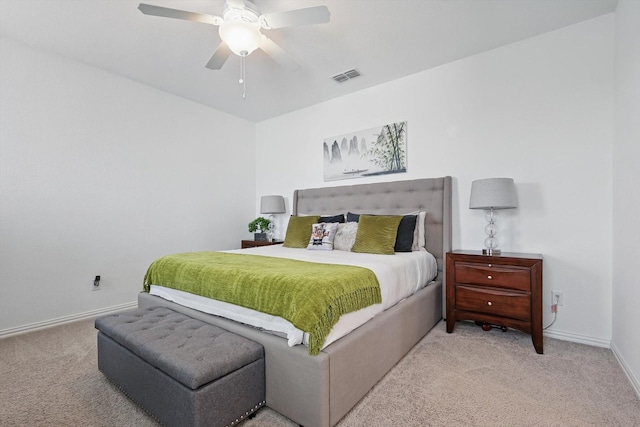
{"type": "Point", "coordinates": [299, 231]}
{"type": "Point", "coordinates": [377, 234]}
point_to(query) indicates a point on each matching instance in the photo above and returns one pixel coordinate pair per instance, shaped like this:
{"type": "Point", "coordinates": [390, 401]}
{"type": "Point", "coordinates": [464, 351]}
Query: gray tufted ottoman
{"type": "Point", "coordinates": [182, 371]}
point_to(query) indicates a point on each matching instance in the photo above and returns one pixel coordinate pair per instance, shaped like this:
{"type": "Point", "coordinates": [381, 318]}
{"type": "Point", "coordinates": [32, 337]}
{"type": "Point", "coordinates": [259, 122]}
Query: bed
{"type": "Point", "coordinates": [317, 391]}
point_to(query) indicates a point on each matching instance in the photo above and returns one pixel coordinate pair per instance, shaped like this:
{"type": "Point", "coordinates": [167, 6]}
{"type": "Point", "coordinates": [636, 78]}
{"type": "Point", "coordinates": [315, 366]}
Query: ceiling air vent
{"type": "Point", "coordinates": [347, 75]}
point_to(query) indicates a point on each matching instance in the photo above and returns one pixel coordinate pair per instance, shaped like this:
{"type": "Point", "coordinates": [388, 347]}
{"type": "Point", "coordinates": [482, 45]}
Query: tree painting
{"type": "Point", "coordinates": [388, 148]}
{"type": "Point", "coordinates": [375, 151]}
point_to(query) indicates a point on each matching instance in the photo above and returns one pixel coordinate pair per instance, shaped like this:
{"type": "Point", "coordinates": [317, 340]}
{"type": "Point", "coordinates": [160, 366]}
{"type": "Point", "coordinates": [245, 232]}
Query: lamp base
{"type": "Point", "coordinates": [487, 251]}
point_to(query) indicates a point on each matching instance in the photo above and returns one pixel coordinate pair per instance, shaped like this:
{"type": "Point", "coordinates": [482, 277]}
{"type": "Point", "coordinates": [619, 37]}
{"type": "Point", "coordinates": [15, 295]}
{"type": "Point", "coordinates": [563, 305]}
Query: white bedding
{"type": "Point", "coordinates": [399, 276]}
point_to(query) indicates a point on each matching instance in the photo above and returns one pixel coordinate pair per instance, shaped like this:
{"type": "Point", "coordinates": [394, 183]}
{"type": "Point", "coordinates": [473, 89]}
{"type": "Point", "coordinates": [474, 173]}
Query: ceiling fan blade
{"type": "Point", "coordinates": [219, 57]}
{"type": "Point", "coordinates": [278, 54]}
{"type": "Point", "coordinates": [149, 9]}
{"type": "Point", "coordinates": [288, 18]}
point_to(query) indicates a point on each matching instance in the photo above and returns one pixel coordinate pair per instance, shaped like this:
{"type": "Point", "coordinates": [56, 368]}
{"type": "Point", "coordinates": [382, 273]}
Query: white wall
{"type": "Point", "coordinates": [101, 175]}
{"type": "Point", "coordinates": [540, 111]}
{"type": "Point", "coordinates": [626, 197]}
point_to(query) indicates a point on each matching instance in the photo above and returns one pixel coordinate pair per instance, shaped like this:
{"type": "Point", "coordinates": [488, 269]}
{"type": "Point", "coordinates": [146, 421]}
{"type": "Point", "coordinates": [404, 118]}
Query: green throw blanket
{"type": "Point", "coordinates": [310, 295]}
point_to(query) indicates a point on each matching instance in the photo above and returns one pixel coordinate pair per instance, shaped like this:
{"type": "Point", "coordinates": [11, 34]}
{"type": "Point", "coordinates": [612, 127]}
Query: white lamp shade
{"type": "Point", "coordinates": [493, 193]}
{"type": "Point", "coordinates": [241, 37]}
{"type": "Point", "coordinates": [272, 205]}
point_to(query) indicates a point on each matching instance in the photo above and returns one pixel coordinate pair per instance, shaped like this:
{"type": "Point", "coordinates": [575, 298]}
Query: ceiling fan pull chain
{"type": "Point", "coordinates": [242, 75]}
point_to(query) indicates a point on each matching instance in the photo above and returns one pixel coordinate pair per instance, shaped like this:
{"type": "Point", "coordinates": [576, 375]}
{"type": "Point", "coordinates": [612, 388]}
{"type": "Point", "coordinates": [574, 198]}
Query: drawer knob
{"type": "Point", "coordinates": [490, 265]}
{"type": "Point", "coordinates": [489, 303]}
{"type": "Point", "coordinates": [489, 277]}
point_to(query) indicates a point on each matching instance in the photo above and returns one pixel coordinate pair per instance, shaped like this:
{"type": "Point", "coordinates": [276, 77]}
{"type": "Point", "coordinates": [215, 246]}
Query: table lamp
{"type": "Point", "coordinates": [492, 194]}
{"type": "Point", "coordinates": [272, 205]}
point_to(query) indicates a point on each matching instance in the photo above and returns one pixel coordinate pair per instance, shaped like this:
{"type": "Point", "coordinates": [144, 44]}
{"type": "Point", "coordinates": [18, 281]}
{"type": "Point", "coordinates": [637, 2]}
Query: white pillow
{"type": "Point", "coordinates": [418, 233]}
{"type": "Point", "coordinates": [345, 236]}
{"type": "Point", "coordinates": [322, 236]}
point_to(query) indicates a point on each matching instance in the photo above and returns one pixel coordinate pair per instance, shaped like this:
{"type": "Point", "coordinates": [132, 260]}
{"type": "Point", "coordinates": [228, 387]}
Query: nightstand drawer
{"type": "Point", "coordinates": [496, 276]}
{"type": "Point", "coordinates": [516, 305]}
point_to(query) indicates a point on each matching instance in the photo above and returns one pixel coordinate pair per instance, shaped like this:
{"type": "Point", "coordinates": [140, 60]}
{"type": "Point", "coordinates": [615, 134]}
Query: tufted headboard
{"type": "Point", "coordinates": [432, 195]}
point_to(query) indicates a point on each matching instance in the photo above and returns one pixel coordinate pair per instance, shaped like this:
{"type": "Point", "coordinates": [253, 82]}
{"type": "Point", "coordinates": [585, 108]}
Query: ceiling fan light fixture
{"type": "Point", "coordinates": [242, 37]}
{"type": "Point", "coordinates": [240, 25]}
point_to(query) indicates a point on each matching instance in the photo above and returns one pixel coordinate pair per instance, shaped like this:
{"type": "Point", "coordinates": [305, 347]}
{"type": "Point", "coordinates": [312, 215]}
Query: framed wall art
{"type": "Point", "coordinates": [377, 151]}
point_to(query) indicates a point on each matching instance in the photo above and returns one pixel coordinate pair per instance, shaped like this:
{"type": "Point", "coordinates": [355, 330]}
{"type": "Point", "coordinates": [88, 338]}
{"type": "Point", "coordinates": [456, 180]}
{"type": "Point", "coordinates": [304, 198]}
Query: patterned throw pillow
{"type": "Point", "coordinates": [377, 234]}
{"type": "Point", "coordinates": [298, 231]}
{"type": "Point", "coordinates": [322, 236]}
{"type": "Point", "coordinates": [345, 236]}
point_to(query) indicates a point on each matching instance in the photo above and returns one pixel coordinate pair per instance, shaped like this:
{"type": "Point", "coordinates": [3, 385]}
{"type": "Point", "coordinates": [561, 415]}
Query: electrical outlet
{"type": "Point", "coordinates": [96, 284]}
{"type": "Point", "coordinates": [557, 298]}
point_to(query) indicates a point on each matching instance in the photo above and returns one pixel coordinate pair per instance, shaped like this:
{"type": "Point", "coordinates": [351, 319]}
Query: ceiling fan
{"type": "Point", "coordinates": [240, 28]}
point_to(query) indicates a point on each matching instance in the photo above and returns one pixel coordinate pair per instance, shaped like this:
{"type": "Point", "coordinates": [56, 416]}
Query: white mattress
{"type": "Point", "coordinates": [399, 276]}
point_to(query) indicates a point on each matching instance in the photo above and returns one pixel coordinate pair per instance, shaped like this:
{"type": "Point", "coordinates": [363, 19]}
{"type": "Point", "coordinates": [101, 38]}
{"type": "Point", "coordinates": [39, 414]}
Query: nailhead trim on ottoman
{"type": "Point", "coordinates": [184, 372]}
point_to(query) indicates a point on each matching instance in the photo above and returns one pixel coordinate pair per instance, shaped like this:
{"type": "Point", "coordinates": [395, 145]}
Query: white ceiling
{"type": "Point", "coordinates": [383, 39]}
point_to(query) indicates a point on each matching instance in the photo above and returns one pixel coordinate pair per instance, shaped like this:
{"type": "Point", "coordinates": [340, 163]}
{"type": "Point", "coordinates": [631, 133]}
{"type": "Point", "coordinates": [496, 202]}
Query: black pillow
{"type": "Point", "coordinates": [351, 217]}
{"type": "Point", "coordinates": [333, 218]}
{"type": "Point", "coordinates": [404, 238]}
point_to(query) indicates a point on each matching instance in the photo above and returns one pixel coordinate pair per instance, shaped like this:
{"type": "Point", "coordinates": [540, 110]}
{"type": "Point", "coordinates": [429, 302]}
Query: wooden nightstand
{"type": "Point", "coordinates": [504, 290]}
{"type": "Point", "coordinates": [255, 243]}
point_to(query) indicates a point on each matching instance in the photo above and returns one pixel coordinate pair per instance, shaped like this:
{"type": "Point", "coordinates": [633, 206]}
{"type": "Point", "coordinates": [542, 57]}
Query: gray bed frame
{"type": "Point", "coordinates": [317, 391]}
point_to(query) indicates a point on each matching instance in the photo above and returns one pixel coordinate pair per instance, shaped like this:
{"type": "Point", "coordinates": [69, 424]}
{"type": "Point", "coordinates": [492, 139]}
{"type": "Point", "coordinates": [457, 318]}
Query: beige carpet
{"type": "Point", "coordinates": [468, 378]}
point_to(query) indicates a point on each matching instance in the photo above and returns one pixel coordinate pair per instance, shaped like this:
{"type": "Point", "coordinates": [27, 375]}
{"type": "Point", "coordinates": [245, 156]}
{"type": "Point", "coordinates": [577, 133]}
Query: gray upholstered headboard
{"type": "Point", "coordinates": [432, 195]}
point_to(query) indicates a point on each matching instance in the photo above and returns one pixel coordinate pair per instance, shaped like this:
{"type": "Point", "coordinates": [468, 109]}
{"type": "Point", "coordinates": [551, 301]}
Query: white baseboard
{"type": "Point", "coordinates": [632, 379]}
{"type": "Point", "coordinates": [580, 339]}
{"type": "Point", "coordinates": [66, 319]}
